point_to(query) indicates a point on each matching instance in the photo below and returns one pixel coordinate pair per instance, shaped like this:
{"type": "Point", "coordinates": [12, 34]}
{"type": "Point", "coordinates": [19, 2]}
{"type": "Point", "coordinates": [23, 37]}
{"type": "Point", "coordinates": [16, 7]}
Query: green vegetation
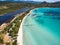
{"type": "Point", "coordinates": [13, 28]}
{"type": "Point", "coordinates": [10, 9]}
{"type": "Point", "coordinates": [14, 43]}
{"type": "Point", "coordinates": [13, 6]}
{"type": "Point", "coordinates": [8, 44]}
{"type": "Point", "coordinates": [1, 40]}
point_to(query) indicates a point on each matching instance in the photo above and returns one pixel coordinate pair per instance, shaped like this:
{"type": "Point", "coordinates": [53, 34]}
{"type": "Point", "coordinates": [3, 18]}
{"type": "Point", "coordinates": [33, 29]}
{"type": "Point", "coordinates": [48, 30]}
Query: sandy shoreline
{"type": "Point", "coordinates": [20, 32]}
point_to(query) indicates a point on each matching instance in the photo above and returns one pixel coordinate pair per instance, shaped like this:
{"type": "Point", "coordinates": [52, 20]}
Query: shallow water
{"type": "Point", "coordinates": [42, 27]}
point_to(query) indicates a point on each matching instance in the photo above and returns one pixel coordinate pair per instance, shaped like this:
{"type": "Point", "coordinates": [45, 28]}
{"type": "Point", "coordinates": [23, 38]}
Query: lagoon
{"type": "Point", "coordinates": [9, 16]}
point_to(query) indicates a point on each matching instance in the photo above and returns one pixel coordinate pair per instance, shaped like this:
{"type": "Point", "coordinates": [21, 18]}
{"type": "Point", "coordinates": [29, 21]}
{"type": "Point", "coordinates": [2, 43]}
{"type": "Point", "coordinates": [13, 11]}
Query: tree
{"type": "Point", "coordinates": [8, 44]}
{"type": "Point", "coordinates": [1, 40]}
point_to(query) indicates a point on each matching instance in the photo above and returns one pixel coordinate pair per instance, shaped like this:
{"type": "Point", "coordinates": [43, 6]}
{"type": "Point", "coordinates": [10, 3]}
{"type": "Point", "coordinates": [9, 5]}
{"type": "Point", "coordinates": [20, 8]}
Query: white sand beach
{"type": "Point", "coordinates": [20, 32]}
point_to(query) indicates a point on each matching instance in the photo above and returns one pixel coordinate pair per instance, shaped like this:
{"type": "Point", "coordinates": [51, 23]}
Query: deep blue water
{"type": "Point", "coordinates": [42, 27]}
{"type": "Point", "coordinates": [10, 16]}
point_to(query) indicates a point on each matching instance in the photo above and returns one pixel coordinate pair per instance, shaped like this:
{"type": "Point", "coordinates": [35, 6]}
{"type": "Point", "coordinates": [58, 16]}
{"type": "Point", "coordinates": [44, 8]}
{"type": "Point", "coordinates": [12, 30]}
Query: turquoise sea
{"type": "Point", "coordinates": [42, 27]}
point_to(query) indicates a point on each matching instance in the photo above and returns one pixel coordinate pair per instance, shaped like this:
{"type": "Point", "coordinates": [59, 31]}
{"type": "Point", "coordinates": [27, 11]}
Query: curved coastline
{"type": "Point", "coordinates": [20, 32]}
